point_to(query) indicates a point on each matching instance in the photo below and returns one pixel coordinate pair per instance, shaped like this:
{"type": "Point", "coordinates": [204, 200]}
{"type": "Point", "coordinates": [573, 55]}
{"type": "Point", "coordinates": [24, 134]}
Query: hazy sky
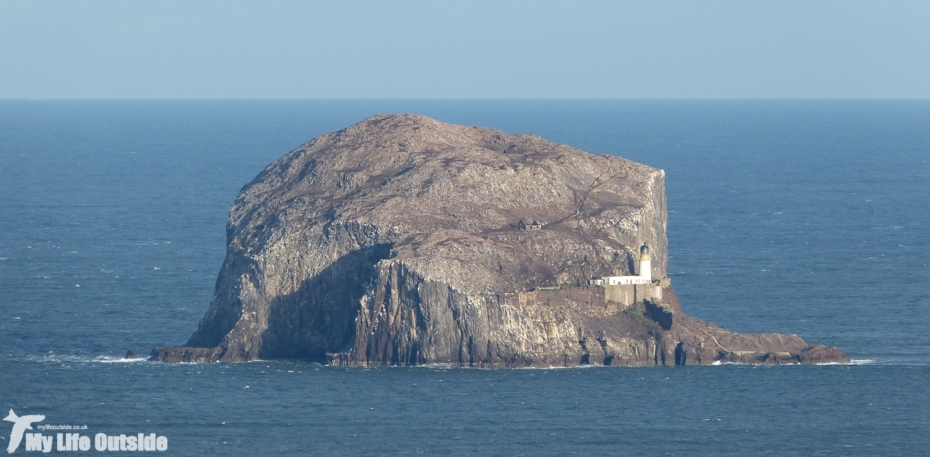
{"type": "Point", "coordinates": [464, 49]}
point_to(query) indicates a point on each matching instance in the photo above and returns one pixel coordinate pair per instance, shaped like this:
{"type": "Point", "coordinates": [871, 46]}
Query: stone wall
{"type": "Point", "coordinates": [628, 294]}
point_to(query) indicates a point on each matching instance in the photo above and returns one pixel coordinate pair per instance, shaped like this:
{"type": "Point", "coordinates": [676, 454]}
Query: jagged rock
{"type": "Point", "coordinates": [403, 241]}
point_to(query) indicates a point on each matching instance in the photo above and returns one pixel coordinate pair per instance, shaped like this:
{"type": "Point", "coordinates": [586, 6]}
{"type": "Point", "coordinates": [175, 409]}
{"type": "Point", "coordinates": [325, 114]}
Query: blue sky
{"type": "Point", "coordinates": [464, 49]}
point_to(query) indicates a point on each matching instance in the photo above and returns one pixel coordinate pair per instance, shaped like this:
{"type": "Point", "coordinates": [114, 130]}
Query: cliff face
{"type": "Point", "coordinates": [402, 240]}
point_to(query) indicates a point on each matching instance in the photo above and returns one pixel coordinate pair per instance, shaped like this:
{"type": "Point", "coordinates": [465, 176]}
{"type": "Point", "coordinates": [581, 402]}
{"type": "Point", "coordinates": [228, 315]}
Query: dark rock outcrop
{"type": "Point", "coordinates": [405, 241]}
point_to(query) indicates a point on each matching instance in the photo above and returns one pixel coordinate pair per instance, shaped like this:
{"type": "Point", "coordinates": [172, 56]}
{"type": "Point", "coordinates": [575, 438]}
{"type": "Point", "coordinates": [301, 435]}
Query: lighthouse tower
{"type": "Point", "coordinates": [645, 263]}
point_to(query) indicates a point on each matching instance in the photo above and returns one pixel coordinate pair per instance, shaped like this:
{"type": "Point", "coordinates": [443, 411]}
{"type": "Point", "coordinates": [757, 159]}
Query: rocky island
{"type": "Point", "coordinates": [402, 240]}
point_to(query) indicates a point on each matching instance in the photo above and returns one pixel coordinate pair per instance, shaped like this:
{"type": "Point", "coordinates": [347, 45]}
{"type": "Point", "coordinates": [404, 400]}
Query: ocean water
{"type": "Point", "coordinates": [806, 217]}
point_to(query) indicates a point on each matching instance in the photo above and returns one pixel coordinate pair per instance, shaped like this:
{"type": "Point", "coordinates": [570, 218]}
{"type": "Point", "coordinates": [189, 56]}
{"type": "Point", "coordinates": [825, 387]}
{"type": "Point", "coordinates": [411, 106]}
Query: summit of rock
{"type": "Point", "coordinates": [449, 198]}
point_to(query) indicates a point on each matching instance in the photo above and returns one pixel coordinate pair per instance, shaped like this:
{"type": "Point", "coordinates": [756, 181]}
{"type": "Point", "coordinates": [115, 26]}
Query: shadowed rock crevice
{"type": "Point", "coordinates": [320, 316]}
{"type": "Point", "coordinates": [402, 240]}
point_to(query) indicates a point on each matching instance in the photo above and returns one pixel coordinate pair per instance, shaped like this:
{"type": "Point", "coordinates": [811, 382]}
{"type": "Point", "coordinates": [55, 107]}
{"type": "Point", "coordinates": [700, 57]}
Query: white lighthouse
{"type": "Point", "coordinates": [627, 290]}
{"type": "Point", "coordinates": [645, 263]}
{"type": "Point", "coordinates": [644, 275]}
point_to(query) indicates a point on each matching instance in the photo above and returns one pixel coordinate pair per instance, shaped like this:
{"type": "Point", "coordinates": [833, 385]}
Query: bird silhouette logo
{"type": "Point", "coordinates": [20, 425]}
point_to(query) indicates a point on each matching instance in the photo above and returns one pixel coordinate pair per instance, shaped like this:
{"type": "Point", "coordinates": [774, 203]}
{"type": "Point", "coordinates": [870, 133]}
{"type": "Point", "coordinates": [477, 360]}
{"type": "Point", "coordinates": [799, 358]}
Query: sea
{"type": "Point", "coordinates": [808, 217]}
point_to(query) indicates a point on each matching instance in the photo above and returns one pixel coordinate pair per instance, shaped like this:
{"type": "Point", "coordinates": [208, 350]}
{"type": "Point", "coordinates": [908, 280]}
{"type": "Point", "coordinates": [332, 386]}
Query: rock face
{"type": "Point", "coordinates": [404, 241]}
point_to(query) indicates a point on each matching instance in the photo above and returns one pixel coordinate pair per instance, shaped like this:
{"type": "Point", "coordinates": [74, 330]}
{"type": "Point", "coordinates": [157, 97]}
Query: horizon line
{"type": "Point", "coordinates": [467, 99]}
